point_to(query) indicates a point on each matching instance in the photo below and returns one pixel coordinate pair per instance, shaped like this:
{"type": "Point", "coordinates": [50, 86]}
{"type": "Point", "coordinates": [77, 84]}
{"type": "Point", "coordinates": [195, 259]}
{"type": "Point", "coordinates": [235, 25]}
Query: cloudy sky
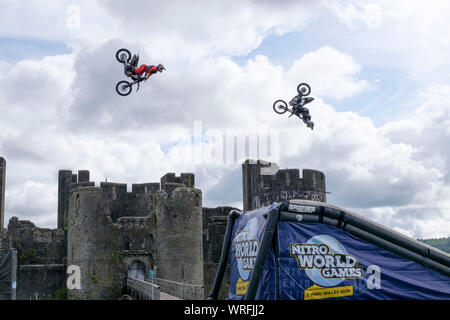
{"type": "Point", "coordinates": [378, 70]}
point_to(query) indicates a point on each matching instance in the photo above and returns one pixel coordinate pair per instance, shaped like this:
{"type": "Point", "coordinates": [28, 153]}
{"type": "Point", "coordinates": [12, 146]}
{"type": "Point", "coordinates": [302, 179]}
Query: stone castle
{"type": "Point", "coordinates": [112, 234]}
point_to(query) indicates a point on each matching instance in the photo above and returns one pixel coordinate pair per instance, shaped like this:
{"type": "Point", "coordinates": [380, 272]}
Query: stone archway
{"type": "Point", "coordinates": [137, 270]}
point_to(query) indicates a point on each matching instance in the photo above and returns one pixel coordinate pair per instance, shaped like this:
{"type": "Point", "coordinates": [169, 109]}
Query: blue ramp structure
{"type": "Point", "coordinates": [308, 250]}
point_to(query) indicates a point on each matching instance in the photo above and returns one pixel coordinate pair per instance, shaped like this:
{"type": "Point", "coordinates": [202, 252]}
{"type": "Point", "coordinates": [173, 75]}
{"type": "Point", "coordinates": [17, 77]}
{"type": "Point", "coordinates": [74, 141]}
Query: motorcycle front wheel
{"type": "Point", "coordinates": [123, 55]}
{"type": "Point", "coordinates": [280, 106]}
{"type": "Point", "coordinates": [303, 89]}
{"type": "Point", "coordinates": [123, 88]}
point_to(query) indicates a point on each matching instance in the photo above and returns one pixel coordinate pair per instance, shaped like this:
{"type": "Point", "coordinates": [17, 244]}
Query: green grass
{"type": "Point", "coordinates": [440, 243]}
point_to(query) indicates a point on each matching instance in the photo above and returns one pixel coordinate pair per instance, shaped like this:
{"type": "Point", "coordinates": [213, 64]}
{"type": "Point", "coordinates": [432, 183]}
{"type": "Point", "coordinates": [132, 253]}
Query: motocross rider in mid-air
{"type": "Point", "coordinates": [297, 103]}
{"type": "Point", "coordinates": [143, 71]}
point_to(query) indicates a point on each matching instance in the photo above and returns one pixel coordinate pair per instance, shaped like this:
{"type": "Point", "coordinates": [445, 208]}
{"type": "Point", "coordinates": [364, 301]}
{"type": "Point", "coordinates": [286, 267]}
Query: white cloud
{"type": "Point", "coordinates": [362, 11]}
{"type": "Point", "coordinates": [330, 72]}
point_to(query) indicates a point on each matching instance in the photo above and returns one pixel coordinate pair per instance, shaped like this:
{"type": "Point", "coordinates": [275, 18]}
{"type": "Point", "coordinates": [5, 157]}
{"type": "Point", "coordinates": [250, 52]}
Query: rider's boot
{"type": "Point", "coordinates": [310, 124]}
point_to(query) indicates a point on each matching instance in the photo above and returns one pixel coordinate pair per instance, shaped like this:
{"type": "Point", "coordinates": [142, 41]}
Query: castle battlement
{"type": "Point", "coordinates": [122, 203]}
{"type": "Point", "coordinates": [263, 187]}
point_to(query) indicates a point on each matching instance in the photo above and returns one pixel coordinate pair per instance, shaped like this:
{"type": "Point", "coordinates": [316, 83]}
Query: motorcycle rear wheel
{"type": "Point", "coordinates": [304, 89]}
{"type": "Point", "coordinates": [123, 54]}
{"type": "Point", "coordinates": [123, 88]}
{"type": "Point", "coordinates": [280, 106]}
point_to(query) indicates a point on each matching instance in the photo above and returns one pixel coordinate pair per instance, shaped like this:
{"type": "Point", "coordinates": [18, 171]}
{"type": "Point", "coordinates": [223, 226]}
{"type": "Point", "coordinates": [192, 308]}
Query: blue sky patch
{"type": "Point", "coordinates": [13, 49]}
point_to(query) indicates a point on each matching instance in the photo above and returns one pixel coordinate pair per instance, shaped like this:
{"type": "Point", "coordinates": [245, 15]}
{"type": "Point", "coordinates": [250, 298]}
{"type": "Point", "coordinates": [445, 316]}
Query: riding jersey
{"type": "Point", "coordinates": [144, 68]}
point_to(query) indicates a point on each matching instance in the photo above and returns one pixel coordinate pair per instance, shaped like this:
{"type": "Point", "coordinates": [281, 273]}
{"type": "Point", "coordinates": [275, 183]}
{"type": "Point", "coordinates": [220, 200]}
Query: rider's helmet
{"type": "Point", "coordinates": [160, 67]}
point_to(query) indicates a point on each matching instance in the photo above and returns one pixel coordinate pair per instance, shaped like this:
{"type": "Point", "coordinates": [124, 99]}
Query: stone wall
{"type": "Point", "coordinates": [36, 245]}
{"type": "Point", "coordinates": [41, 282]}
{"type": "Point", "coordinates": [214, 226]}
{"type": "Point", "coordinates": [137, 242]}
{"type": "Point", "coordinates": [178, 235]}
{"type": "Point", "coordinates": [5, 243]}
{"type": "Point", "coordinates": [94, 245]}
{"type": "Point", "coordinates": [261, 190]}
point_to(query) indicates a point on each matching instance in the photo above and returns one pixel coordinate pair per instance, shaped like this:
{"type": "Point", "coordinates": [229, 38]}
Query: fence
{"type": "Point", "coordinates": [181, 290]}
{"type": "Point", "coordinates": [8, 276]}
{"type": "Point", "coordinates": [143, 290]}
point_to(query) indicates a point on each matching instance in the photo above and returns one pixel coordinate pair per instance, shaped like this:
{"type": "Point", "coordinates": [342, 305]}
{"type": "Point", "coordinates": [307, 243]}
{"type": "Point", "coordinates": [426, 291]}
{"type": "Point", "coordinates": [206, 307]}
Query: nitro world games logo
{"type": "Point", "coordinates": [327, 263]}
{"type": "Point", "coordinates": [245, 245]}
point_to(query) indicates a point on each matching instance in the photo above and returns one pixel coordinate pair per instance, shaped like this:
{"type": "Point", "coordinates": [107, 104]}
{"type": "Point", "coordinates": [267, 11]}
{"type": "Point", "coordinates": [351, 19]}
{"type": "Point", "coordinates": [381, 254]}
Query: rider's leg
{"type": "Point", "coordinates": [306, 115]}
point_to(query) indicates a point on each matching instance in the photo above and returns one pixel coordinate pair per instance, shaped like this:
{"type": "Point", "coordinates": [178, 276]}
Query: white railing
{"type": "Point", "coordinates": [144, 290]}
{"type": "Point", "coordinates": [181, 290]}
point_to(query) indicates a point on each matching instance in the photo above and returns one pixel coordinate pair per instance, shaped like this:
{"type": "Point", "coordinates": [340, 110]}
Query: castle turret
{"type": "Point", "coordinates": [66, 181]}
{"type": "Point", "coordinates": [93, 245]}
{"type": "Point", "coordinates": [263, 186]}
{"type": "Point", "coordinates": [187, 179]}
{"type": "Point", "coordinates": [178, 234]}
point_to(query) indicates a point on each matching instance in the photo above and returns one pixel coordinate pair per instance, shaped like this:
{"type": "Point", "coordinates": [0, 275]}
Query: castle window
{"type": "Point", "coordinates": [126, 245]}
{"type": "Point", "coordinates": [148, 242]}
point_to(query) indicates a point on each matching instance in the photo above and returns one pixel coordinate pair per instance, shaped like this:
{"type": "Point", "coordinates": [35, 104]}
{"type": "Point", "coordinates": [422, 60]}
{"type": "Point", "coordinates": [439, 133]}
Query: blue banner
{"type": "Point", "coordinates": [245, 242]}
{"type": "Point", "coordinates": [322, 262]}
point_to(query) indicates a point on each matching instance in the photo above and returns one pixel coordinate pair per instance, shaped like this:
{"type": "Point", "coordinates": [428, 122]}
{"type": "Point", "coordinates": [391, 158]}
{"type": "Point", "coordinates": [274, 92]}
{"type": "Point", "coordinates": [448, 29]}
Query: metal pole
{"type": "Point", "coordinates": [266, 241]}
{"type": "Point", "coordinates": [232, 216]}
{"type": "Point", "coordinates": [13, 274]}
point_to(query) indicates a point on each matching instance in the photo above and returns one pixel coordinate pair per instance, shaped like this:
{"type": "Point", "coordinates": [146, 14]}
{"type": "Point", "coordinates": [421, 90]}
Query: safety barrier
{"type": "Point", "coordinates": [181, 290]}
{"type": "Point", "coordinates": [143, 290]}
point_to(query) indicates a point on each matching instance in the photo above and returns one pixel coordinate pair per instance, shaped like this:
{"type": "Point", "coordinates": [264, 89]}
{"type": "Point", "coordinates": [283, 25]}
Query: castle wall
{"type": "Point", "coordinates": [36, 245]}
{"type": "Point", "coordinates": [214, 226]}
{"type": "Point", "coordinates": [41, 259]}
{"type": "Point", "coordinates": [137, 242]}
{"type": "Point", "coordinates": [261, 190]}
{"type": "Point", "coordinates": [5, 243]}
{"type": "Point", "coordinates": [178, 235]}
{"type": "Point", "coordinates": [41, 282]}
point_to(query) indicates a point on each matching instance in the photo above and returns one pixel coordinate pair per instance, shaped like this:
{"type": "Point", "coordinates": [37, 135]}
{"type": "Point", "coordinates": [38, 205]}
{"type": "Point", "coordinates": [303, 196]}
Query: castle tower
{"type": "Point", "coordinates": [178, 234]}
{"type": "Point", "coordinates": [67, 181]}
{"type": "Point", "coordinates": [263, 186]}
{"type": "Point", "coordinates": [64, 180]}
{"type": "Point", "coordinates": [2, 191]}
{"type": "Point", "coordinates": [93, 245]}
